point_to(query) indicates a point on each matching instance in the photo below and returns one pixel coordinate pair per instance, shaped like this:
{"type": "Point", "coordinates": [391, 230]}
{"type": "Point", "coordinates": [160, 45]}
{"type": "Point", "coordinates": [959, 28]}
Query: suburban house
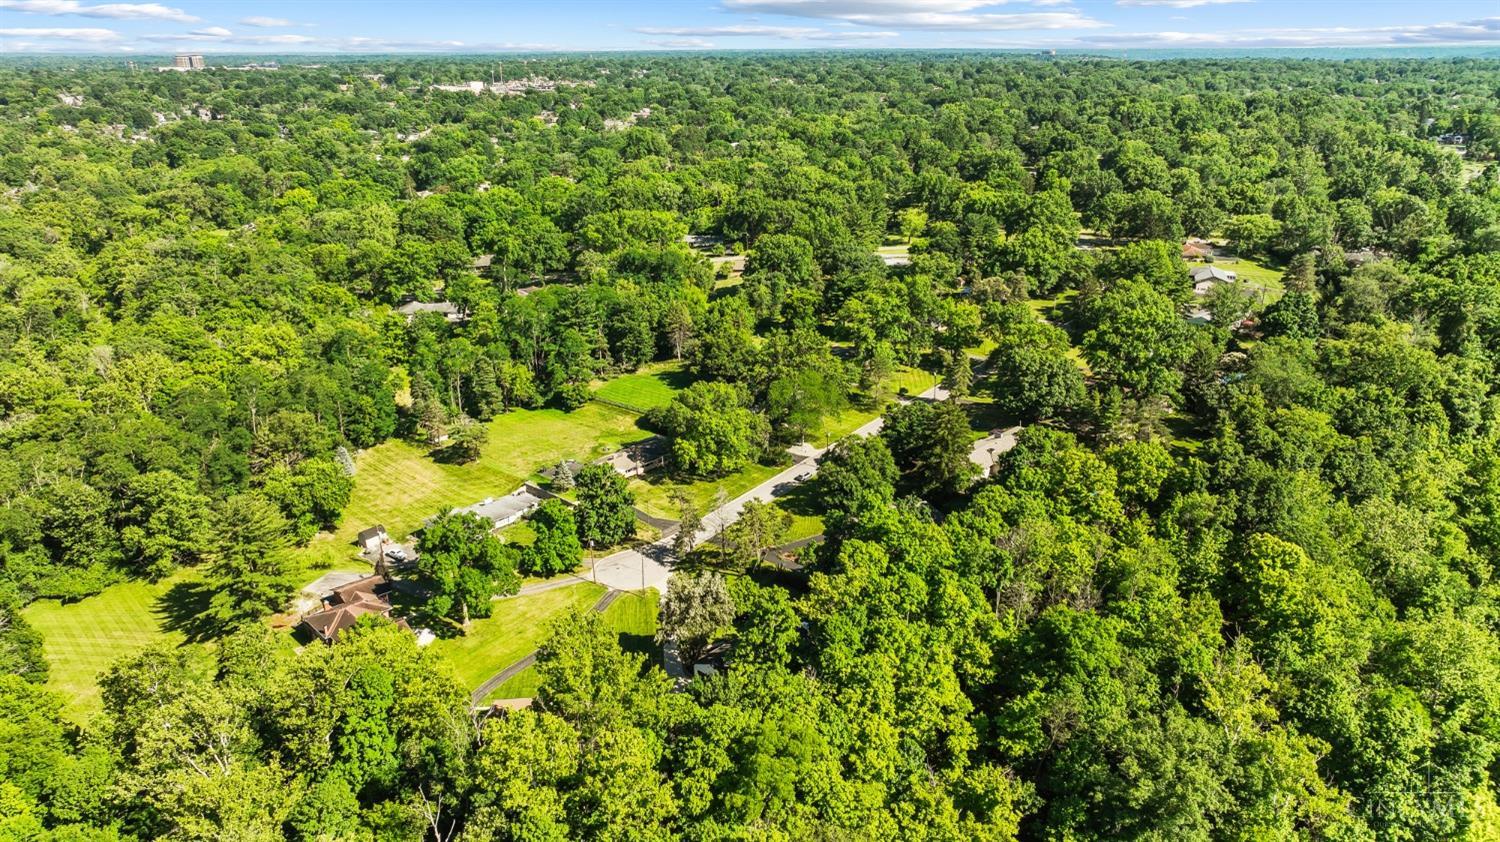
{"type": "Point", "coordinates": [346, 604]}
{"type": "Point", "coordinates": [1196, 250]}
{"type": "Point", "coordinates": [1204, 278]}
{"type": "Point", "coordinates": [503, 511]}
{"type": "Point", "coordinates": [986, 451]}
{"type": "Point", "coordinates": [638, 458]}
{"type": "Point", "coordinates": [449, 310]}
{"type": "Point", "coordinates": [482, 263]}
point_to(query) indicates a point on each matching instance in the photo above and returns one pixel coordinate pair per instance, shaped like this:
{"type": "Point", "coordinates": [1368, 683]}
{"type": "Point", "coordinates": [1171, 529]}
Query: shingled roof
{"type": "Point", "coordinates": [346, 604]}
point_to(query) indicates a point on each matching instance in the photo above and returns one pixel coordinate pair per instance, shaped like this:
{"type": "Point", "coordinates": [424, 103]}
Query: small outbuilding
{"type": "Point", "coordinates": [372, 541]}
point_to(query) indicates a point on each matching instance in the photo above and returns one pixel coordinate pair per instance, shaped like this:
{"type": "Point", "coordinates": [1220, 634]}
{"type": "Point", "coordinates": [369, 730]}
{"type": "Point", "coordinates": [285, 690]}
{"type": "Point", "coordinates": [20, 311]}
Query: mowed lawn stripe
{"type": "Point", "coordinates": [81, 640]}
{"type": "Point", "coordinates": [398, 485]}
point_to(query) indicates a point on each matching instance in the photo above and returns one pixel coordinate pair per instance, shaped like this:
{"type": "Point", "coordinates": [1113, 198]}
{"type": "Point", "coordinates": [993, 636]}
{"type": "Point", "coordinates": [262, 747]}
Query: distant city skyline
{"type": "Point", "coordinates": [226, 26]}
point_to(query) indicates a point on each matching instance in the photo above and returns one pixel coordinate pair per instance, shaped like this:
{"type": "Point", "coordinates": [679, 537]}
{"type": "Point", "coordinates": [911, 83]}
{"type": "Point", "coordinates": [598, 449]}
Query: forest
{"type": "Point", "coordinates": [1234, 580]}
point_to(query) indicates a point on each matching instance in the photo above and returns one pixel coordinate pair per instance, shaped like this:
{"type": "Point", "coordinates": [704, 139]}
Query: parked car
{"type": "Point", "coordinates": [396, 554]}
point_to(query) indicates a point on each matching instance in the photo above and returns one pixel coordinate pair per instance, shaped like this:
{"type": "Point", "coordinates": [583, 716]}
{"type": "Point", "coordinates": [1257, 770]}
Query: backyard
{"type": "Point", "coordinates": [83, 639]}
{"type": "Point", "coordinates": [398, 485]}
{"type": "Point", "coordinates": [654, 385]}
{"type": "Point", "coordinates": [632, 617]}
{"type": "Point", "coordinates": [516, 627]}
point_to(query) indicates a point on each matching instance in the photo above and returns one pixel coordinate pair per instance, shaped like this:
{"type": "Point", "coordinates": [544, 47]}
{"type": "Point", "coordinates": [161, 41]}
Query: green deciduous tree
{"type": "Point", "coordinates": [463, 565]}
{"type": "Point", "coordinates": [713, 430]}
{"type": "Point", "coordinates": [606, 507]}
{"type": "Point", "coordinates": [930, 444]}
{"type": "Point", "coordinates": [556, 548]}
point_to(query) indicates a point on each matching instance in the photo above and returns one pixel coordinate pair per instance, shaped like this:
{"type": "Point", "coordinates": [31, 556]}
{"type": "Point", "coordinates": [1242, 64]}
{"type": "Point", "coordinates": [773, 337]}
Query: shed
{"type": "Point", "coordinates": [372, 540]}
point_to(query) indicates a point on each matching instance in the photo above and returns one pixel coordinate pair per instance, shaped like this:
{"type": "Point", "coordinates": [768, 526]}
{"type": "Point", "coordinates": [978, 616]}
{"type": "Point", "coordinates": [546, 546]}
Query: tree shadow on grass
{"type": "Point", "coordinates": [677, 378]}
{"type": "Point", "coordinates": [801, 499]}
{"type": "Point", "coordinates": [641, 644]}
{"type": "Point", "coordinates": [182, 610]}
{"type": "Point", "coordinates": [409, 602]}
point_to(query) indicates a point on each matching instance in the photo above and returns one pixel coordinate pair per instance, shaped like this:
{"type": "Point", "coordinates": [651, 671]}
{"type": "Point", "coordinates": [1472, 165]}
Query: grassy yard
{"type": "Point", "coordinates": [654, 493]}
{"type": "Point", "coordinates": [517, 626]}
{"type": "Point", "coordinates": [632, 617]}
{"type": "Point", "coordinates": [1254, 273]}
{"type": "Point", "coordinates": [653, 386]}
{"type": "Point", "coordinates": [914, 380]}
{"type": "Point", "coordinates": [398, 485]}
{"type": "Point", "coordinates": [83, 639]}
{"type": "Point", "coordinates": [804, 526]}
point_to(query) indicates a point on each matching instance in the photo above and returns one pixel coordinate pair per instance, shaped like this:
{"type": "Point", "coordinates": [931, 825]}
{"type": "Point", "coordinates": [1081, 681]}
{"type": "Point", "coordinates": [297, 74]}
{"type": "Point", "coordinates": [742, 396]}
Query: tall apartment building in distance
{"type": "Point", "coordinates": [184, 63]}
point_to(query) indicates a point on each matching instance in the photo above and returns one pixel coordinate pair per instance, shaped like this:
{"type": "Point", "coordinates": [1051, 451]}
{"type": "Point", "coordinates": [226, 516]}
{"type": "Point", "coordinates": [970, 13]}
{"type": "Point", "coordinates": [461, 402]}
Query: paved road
{"type": "Point", "coordinates": [650, 566]}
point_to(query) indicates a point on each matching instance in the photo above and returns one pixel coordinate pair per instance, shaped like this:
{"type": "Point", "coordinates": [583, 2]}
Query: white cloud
{"type": "Point", "coordinates": [282, 38]}
{"type": "Point", "coordinates": [86, 34]}
{"type": "Point", "coordinates": [744, 30]}
{"type": "Point", "coordinates": [118, 11]}
{"type": "Point", "coordinates": [681, 43]}
{"type": "Point", "coordinates": [1178, 4]}
{"type": "Point", "coordinates": [1480, 31]}
{"type": "Point", "coordinates": [212, 32]}
{"type": "Point", "coordinates": [260, 20]}
{"type": "Point", "coordinates": [917, 14]}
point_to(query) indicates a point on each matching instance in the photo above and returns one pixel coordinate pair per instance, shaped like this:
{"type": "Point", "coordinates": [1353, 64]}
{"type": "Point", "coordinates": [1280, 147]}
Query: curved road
{"type": "Point", "coordinates": [648, 567]}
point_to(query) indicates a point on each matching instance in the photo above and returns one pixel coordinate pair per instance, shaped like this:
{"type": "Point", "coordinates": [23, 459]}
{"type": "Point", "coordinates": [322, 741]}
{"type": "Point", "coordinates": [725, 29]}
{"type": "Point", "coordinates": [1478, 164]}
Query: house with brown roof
{"type": "Point", "coordinates": [344, 606]}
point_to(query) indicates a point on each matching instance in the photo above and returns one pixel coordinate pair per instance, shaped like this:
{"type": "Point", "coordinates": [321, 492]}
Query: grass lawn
{"type": "Point", "coordinates": [398, 485]}
{"type": "Point", "coordinates": [1254, 274]}
{"type": "Point", "coordinates": [803, 526]}
{"type": "Point", "coordinates": [653, 386]}
{"type": "Point", "coordinates": [632, 617]}
{"type": "Point", "coordinates": [914, 380]}
{"type": "Point", "coordinates": [83, 639]}
{"type": "Point", "coordinates": [654, 493]}
{"type": "Point", "coordinates": [517, 627]}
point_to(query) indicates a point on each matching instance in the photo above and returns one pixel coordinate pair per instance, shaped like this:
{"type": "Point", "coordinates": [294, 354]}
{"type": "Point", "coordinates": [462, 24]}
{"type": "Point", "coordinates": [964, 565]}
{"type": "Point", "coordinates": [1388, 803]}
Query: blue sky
{"type": "Point", "coordinates": [354, 26]}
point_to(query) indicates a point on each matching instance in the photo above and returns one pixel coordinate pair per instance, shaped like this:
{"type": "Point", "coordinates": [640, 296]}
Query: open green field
{"type": "Point", "coordinates": [517, 627]}
{"type": "Point", "coordinates": [398, 485]}
{"type": "Point", "coordinates": [653, 386]}
{"type": "Point", "coordinates": [83, 639]}
{"type": "Point", "coordinates": [632, 617]}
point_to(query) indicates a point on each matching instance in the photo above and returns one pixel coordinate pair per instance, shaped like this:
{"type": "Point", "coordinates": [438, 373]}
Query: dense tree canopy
{"type": "Point", "coordinates": [1236, 580]}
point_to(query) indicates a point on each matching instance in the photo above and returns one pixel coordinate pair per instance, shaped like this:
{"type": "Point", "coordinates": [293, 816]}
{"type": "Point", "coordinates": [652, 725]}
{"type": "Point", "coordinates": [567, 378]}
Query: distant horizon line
{"type": "Point", "coordinates": [563, 51]}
